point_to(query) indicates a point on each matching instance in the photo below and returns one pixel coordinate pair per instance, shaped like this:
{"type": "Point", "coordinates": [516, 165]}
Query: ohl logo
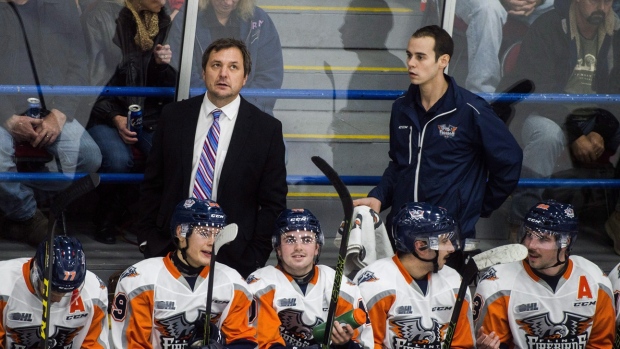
{"type": "Point", "coordinates": [447, 131]}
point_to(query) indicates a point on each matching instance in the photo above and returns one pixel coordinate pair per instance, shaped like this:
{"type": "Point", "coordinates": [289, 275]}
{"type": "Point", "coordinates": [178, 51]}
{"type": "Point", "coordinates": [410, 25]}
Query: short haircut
{"type": "Point", "coordinates": [225, 43]}
{"type": "Point", "coordinates": [443, 42]}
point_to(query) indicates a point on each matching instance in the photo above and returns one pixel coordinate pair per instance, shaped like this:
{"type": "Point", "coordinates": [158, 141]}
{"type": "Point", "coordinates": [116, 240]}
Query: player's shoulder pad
{"type": "Point", "coordinates": [589, 267]}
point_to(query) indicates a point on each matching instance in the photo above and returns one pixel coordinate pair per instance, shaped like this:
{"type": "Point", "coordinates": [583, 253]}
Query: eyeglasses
{"type": "Point", "coordinates": [206, 232]}
{"type": "Point", "coordinates": [305, 240]}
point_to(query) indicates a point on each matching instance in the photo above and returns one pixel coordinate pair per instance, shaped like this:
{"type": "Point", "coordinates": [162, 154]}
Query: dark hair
{"type": "Point", "coordinates": [225, 43]}
{"type": "Point", "coordinates": [443, 42]}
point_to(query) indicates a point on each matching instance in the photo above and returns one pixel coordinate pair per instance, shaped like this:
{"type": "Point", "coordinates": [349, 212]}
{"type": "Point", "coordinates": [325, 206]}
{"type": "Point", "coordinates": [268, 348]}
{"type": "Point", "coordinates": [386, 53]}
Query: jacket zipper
{"type": "Point", "coordinates": [420, 146]}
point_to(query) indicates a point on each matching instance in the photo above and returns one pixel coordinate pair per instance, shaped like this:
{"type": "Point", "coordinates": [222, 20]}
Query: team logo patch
{"type": "Point", "coordinates": [447, 131]}
{"type": "Point", "coordinates": [165, 305]}
{"type": "Point", "coordinates": [569, 212]}
{"type": "Point", "coordinates": [189, 203]}
{"type": "Point", "coordinates": [417, 214]}
{"type": "Point", "coordinates": [20, 317]}
{"type": "Point", "coordinates": [367, 276]}
{"type": "Point", "coordinates": [130, 272]}
{"type": "Point", "coordinates": [524, 308]}
{"type": "Point", "coordinates": [287, 302]}
{"type": "Point", "coordinates": [294, 330]}
{"type": "Point", "coordinates": [411, 333]}
{"type": "Point", "coordinates": [541, 332]}
{"type": "Point", "coordinates": [490, 274]}
{"type": "Point", "coordinates": [30, 337]}
{"type": "Point", "coordinates": [404, 309]}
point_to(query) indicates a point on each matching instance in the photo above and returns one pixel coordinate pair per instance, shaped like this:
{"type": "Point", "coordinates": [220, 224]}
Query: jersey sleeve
{"type": "Point", "coordinates": [2, 330]}
{"type": "Point", "coordinates": [490, 309]}
{"type": "Point", "coordinates": [348, 301]}
{"type": "Point", "coordinates": [132, 317]}
{"type": "Point", "coordinates": [268, 333]}
{"type": "Point", "coordinates": [236, 325]}
{"type": "Point", "coordinates": [464, 332]}
{"type": "Point", "coordinates": [603, 329]}
{"type": "Point", "coordinates": [97, 336]}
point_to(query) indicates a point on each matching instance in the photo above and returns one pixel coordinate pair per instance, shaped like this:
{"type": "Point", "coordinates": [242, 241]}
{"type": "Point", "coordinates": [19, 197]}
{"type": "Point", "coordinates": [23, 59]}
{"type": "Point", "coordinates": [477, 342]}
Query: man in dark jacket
{"type": "Point", "coordinates": [571, 49]}
{"type": "Point", "coordinates": [447, 146]}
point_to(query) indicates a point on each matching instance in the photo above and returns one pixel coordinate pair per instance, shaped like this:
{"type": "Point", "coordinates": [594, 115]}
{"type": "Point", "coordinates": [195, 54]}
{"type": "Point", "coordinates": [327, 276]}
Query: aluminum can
{"type": "Point", "coordinates": [34, 108]}
{"type": "Point", "coordinates": [134, 118]}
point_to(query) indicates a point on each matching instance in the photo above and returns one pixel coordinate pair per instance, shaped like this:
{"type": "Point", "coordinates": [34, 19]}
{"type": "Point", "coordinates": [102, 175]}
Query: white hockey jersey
{"type": "Point", "coordinates": [614, 277]}
{"type": "Point", "coordinates": [155, 307]}
{"type": "Point", "coordinates": [286, 316]}
{"type": "Point", "coordinates": [403, 317]}
{"type": "Point", "coordinates": [525, 312]}
{"type": "Point", "coordinates": [81, 324]}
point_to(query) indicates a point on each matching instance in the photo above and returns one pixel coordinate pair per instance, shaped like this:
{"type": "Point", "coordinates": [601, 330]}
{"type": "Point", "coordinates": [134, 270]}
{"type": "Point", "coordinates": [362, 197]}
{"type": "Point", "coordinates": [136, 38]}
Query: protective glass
{"type": "Point", "coordinates": [445, 241]}
{"type": "Point", "coordinates": [304, 238]}
{"type": "Point", "coordinates": [537, 238]}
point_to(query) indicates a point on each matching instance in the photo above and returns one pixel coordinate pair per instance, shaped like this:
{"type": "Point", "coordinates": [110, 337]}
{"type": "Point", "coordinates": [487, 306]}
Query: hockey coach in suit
{"type": "Point", "coordinates": [247, 172]}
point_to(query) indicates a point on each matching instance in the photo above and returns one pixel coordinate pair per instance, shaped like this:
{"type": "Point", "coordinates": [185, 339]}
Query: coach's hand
{"type": "Point", "coordinates": [371, 202]}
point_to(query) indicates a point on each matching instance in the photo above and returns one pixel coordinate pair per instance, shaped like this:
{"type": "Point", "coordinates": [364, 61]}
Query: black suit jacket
{"type": "Point", "coordinates": [252, 186]}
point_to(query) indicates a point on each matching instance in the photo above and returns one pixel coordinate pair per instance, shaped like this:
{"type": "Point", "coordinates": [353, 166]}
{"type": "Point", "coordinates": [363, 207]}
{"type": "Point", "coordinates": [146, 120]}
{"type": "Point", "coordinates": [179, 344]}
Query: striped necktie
{"type": "Point", "coordinates": [206, 169]}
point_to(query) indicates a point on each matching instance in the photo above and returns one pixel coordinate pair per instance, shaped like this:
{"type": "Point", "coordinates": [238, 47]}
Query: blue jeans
{"type": "Point", "coordinates": [117, 156]}
{"type": "Point", "coordinates": [485, 20]}
{"type": "Point", "coordinates": [543, 141]}
{"type": "Point", "coordinates": [74, 151]}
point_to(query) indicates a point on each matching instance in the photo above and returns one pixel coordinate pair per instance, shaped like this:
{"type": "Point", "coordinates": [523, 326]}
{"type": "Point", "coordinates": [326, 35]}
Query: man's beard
{"type": "Point", "coordinates": [596, 18]}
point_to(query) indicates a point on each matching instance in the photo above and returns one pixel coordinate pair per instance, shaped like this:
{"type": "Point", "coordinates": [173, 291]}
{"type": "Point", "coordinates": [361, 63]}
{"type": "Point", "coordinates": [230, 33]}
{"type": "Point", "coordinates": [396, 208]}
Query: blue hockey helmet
{"type": "Point", "coordinates": [420, 221]}
{"type": "Point", "coordinates": [68, 267]}
{"type": "Point", "coordinates": [193, 212]}
{"type": "Point", "coordinates": [555, 218]}
{"type": "Point", "coordinates": [296, 219]}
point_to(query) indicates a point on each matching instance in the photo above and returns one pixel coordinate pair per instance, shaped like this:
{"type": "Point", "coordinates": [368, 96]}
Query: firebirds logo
{"type": "Point", "coordinates": [490, 274]}
{"type": "Point", "coordinates": [130, 272]}
{"type": "Point", "coordinates": [294, 330]}
{"type": "Point", "coordinates": [177, 332]}
{"type": "Point", "coordinates": [571, 332]}
{"type": "Point", "coordinates": [447, 131]}
{"type": "Point", "coordinates": [367, 276]}
{"type": "Point", "coordinates": [30, 337]}
{"type": "Point", "coordinates": [411, 333]}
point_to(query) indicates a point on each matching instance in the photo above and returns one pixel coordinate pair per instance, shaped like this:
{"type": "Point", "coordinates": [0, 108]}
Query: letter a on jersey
{"type": "Point", "coordinates": [584, 288]}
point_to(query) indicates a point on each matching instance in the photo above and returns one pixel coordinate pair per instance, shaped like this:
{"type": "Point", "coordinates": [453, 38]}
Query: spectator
{"type": "Point", "coordinates": [297, 240]}
{"type": "Point", "coordinates": [79, 300]}
{"type": "Point", "coordinates": [140, 316]}
{"type": "Point", "coordinates": [58, 51]}
{"type": "Point", "coordinates": [550, 298]}
{"type": "Point", "coordinates": [242, 20]}
{"type": "Point", "coordinates": [99, 25]}
{"type": "Point", "coordinates": [175, 7]}
{"type": "Point", "coordinates": [141, 29]}
{"type": "Point", "coordinates": [248, 174]}
{"type": "Point", "coordinates": [401, 291]}
{"type": "Point", "coordinates": [566, 50]}
{"type": "Point", "coordinates": [447, 146]}
{"type": "Point", "coordinates": [485, 20]}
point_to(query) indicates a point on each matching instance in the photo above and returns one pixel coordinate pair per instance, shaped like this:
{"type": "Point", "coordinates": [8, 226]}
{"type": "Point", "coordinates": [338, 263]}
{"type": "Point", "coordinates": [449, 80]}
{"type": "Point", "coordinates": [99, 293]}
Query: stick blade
{"type": "Point", "coordinates": [500, 255]}
{"type": "Point", "coordinates": [225, 236]}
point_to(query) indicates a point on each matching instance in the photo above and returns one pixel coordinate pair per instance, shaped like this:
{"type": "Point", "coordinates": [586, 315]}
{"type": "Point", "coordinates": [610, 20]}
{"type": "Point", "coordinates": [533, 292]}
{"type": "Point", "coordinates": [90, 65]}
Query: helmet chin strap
{"type": "Point", "coordinates": [558, 263]}
{"type": "Point", "coordinates": [183, 265]}
{"type": "Point", "coordinates": [434, 260]}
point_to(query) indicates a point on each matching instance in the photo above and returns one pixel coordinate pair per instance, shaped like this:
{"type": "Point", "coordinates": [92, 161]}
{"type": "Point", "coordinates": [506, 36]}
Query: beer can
{"type": "Point", "coordinates": [134, 118]}
{"type": "Point", "coordinates": [34, 108]}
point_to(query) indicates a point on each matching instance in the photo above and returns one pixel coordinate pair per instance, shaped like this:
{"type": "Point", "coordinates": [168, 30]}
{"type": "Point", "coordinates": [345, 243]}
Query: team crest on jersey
{"type": "Point", "coordinates": [411, 333]}
{"type": "Point", "coordinates": [447, 131]}
{"type": "Point", "coordinates": [490, 274]}
{"type": "Point", "coordinates": [541, 332]}
{"type": "Point", "coordinates": [177, 332]}
{"type": "Point", "coordinates": [30, 337]}
{"type": "Point", "coordinates": [130, 272]}
{"type": "Point", "coordinates": [367, 276]}
{"type": "Point", "coordinates": [251, 279]}
{"type": "Point", "coordinates": [294, 330]}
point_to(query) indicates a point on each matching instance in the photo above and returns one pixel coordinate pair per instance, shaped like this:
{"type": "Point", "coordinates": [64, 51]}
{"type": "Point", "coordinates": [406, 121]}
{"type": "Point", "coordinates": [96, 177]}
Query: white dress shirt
{"type": "Point", "coordinates": [227, 124]}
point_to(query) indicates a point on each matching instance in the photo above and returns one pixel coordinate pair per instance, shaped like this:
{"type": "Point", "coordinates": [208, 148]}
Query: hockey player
{"type": "Point", "coordinates": [614, 277]}
{"type": "Point", "coordinates": [160, 302]}
{"type": "Point", "coordinates": [293, 297]}
{"type": "Point", "coordinates": [550, 299]}
{"type": "Point", "coordinates": [410, 296]}
{"type": "Point", "coordinates": [79, 300]}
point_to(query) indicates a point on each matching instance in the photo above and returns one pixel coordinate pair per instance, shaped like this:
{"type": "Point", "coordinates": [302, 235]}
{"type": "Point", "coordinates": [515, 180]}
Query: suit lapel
{"type": "Point", "coordinates": [240, 135]}
{"type": "Point", "coordinates": [188, 119]}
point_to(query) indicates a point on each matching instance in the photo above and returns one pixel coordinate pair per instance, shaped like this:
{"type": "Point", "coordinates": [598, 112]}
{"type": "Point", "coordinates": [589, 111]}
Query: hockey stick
{"type": "Point", "coordinates": [225, 236]}
{"type": "Point", "coordinates": [330, 75]}
{"type": "Point", "coordinates": [498, 255]}
{"type": "Point", "coordinates": [61, 201]}
{"type": "Point", "coordinates": [347, 205]}
{"type": "Point", "coordinates": [617, 340]}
